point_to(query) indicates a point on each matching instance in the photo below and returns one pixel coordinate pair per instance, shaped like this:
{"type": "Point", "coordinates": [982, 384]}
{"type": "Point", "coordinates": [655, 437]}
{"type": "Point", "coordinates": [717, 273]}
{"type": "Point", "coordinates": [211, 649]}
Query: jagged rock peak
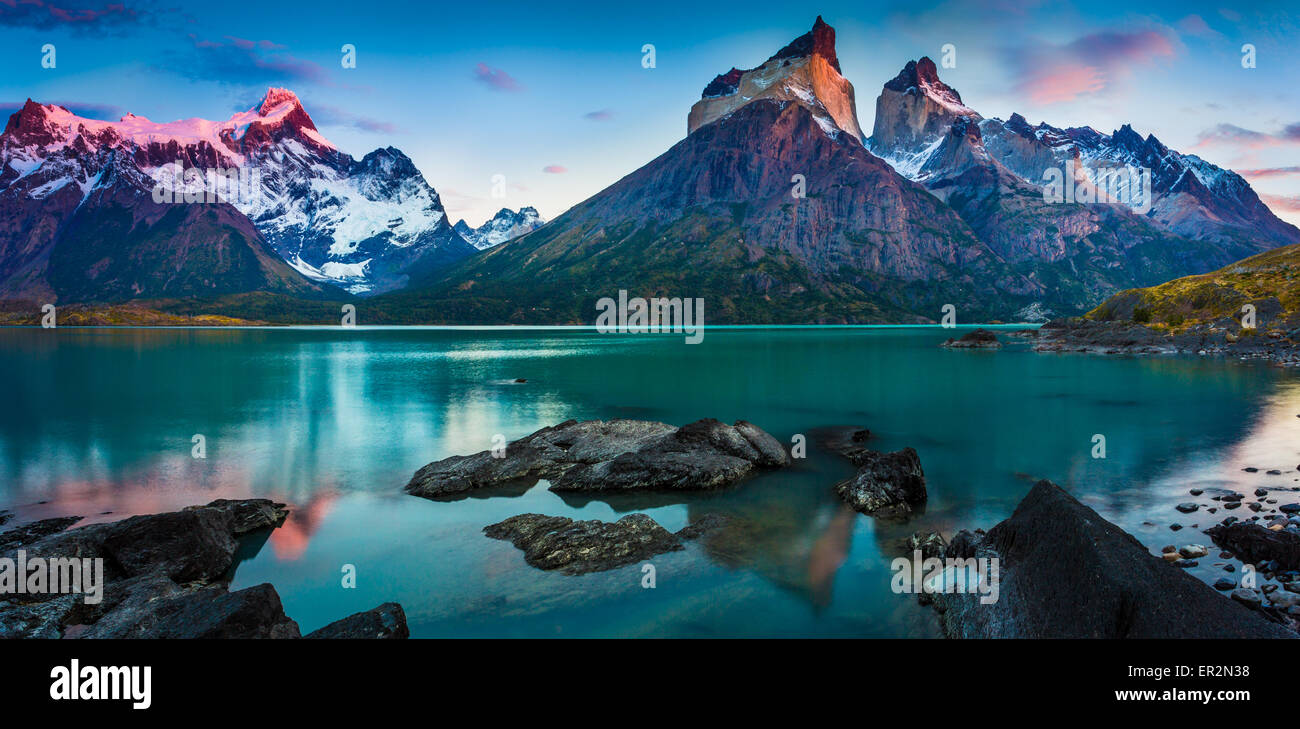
{"type": "Point", "coordinates": [806, 72]}
{"type": "Point", "coordinates": [923, 76]}
{"type": "Point", "coordinates": [820, 41]}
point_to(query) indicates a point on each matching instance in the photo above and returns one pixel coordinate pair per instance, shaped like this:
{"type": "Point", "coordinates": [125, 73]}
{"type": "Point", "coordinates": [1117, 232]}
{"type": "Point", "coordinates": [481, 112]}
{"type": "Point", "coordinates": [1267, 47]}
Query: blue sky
{"type": "Point", "coordinates": [555, 98]}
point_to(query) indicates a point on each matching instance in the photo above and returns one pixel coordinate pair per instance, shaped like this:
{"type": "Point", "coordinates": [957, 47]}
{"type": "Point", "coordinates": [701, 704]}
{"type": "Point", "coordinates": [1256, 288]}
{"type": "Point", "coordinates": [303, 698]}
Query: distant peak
{"type": "Point", "coordinates": [274, 98]}
{"type": "Point", "coordinates": [923, 75]}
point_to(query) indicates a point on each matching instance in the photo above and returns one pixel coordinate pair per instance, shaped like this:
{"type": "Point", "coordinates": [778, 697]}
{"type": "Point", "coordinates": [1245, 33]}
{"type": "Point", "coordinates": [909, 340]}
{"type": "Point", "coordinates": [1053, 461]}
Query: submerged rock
{"type": "Point", "coordinates": [612, 455]}
{"type": "Point", "coordinates": [978, 339]}
{"type": "Point", "coordinates": [1064, 572]}
{"type": "Point", "coordinates": [388, 621]}
{"type": "Point", "coordinates": [578, 547]}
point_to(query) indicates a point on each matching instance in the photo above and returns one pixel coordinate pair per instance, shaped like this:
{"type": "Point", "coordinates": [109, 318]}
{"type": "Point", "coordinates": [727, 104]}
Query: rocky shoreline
{"type": "Point", "coordinates": [1065, 572]}
{"type": "Point", "coordinates": [165, 576]}
{"type": "Point", "coordinates": [1132, 338]}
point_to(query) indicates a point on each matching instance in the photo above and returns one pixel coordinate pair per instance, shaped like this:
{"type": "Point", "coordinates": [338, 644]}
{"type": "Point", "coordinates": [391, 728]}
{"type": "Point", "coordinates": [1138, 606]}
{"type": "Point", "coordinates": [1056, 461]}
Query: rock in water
{"type": "Point", "coordinates": [612, 455]}
{"type": "Point", "coordinates": [578, 547]}
{"type": "Point", "coordinates": [929, 545]}
{"type": "Point", "coordinates": [165, 576]}
{"type": "Point", "coordinates": [210, 612]}
{"type": "Point", "coordinates": [28, 533]}
{"type": "Point", "coordinates": [978, 339]}
{"type": "Point", "coordinates": [388, 621]}
{"type": "Point", "coordinates": [1256, 544]}
{"type": "Point", "coordinates": [886, 484]}
{"type": "Point", "coordinates": [1107, 587]}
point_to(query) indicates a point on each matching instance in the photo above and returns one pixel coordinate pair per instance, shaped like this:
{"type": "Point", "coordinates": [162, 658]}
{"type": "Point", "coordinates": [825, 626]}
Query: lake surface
{"type": "Point", "coordinates": [335, 421]}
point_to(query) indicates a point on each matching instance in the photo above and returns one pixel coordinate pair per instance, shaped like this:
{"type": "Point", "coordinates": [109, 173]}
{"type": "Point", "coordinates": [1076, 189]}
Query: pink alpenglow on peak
{"type": "Point", "coordinates": [806, 72]}
{"type": "Point", "coordinates": [365, 225]}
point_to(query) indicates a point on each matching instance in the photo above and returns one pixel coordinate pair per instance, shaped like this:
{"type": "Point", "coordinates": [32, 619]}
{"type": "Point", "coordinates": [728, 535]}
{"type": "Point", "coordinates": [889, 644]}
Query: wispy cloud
{"type": "Point", "coordinates": [495, 78]}
{"type": "Point", "coordinates": [333, 115]}
{"type": "Point", "coordinates": [602, 115]}
{"type": "Point", "coordinates": [241, 61]}
{"type": "Point", "coordinates": [555, 169]}
{"type": "Point", "coordinates": [1233, 135]}
{"type": "Point", "coordinates": [1197, 26]}
{"type": "Point", "coordinates": [1269, 172]}
{"type": "Point", "coordinates": [71, 14]}
{"type": "Point", "coordinates": [1282, 203]}
{"type": "Point", "coordinates": [1055, 73]}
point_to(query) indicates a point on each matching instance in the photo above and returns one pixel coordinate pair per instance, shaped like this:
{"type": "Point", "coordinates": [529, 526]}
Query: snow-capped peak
{"type": "Point", "coordinates": [274, 98]}
{"type": "Point", "coordinates": [505, 225]}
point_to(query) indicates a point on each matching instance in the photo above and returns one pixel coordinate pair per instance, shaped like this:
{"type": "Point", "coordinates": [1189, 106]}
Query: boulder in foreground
{"type": "Point", "coordinates": [164, 576]}
{"type": "Point", "coordinates": [1067, 573]}
{"type": "Point", "coordinates": [612, 455]}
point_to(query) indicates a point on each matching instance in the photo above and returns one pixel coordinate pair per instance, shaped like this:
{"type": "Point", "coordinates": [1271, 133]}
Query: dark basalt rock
{"type": "Point", "coordinates": [165, 576]}
{"type": "Point", "coordinates": [209, 612]}
{"type": "Point", "coordinates": [388, 621]}
{"type": "Point", "coordinates": [929, 545]}
{"type": "Point", "coordinates": [1067, 573]}
{"type": "Point", "coordinates": [1256, 544]}
{"type": "Point", "coordinates": [612, 455]}
{"type": "Point", "coordinates": [886, 484]}
{"type": "Point", "coordinates": [963, 544]}
{"type": "Point", "coordinates": [578, 547]}
{"type": "Point", "coordinates": [29, 533]}
{"type": "Point", "coordinates": [978, 339]}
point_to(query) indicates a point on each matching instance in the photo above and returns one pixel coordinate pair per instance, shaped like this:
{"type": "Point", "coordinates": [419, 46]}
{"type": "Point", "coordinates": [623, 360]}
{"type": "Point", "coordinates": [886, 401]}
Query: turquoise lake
{"type": "Point", "coordinates": [335, 421]}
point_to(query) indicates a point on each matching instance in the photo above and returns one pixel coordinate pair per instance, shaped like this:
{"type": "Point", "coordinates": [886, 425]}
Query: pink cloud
{"type": "Point", "coordinates": [1051, 74]}
{"type": "Point", "coordinates": [1282, 203]}
{"type": "Point", "coordinates": [1235, 136]}
{"type": "Point", "coordinates": [555, 169]}
{"type": "Point", "coordinates": [1064, 83]}
{"type": "Point", "coordinates": [496, 78]}
{"type": "Point", "coordinates": [1269, 172]}
{"type": "Point", "coordinates": [1196, 25]}
{"type": "Point", "coordinates": [602, 115]}
{"type": "Point", "coordinates": [42, 15]}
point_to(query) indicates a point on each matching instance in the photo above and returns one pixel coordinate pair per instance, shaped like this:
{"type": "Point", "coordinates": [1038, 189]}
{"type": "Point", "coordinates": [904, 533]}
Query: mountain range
{"type": "Point", "coordinates": [505, 225]}
{"type": "Point", "coordinates": [366, 225]}
{"type": "Point", "coordinates": [939, 206]}
{"type": "Point", "coordinates": [775, 208]}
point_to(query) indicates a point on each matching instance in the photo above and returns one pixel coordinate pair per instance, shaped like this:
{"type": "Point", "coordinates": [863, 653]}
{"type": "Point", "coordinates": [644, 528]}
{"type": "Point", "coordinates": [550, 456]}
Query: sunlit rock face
{"type": "Point", "coordinates": [806, 72]}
